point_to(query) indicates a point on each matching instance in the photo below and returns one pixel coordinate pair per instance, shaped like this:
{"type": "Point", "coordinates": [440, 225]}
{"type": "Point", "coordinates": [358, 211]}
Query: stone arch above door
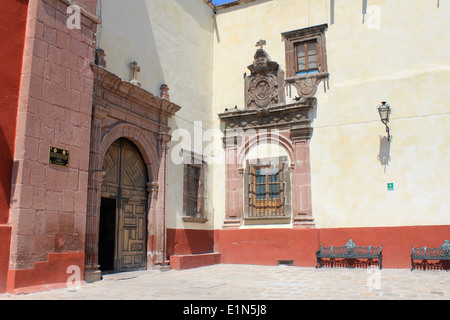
{"type": "Point", "coordinates": [145, 142]}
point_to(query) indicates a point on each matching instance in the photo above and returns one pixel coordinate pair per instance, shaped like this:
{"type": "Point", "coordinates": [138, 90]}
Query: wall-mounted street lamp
{"type": "Point", "coordinates": [384, 111]}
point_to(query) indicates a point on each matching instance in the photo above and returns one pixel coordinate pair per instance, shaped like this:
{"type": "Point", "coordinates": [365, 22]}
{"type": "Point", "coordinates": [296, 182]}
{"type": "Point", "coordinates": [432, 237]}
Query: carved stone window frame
{"type": "Point", "coordinates": [194, 159]}
{"type": "Point", "coordinates": [288, 124]}
{"type": "Point", "coordinates": [306, 84]}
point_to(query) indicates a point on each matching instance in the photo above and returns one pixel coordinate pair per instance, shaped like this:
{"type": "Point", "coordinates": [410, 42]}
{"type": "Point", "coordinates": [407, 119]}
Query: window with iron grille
{"type": "Point", "coordinates": [194, 187]}
{"type": "Point", "coordinates": [267, 195]}
{"type": "Point", "coordinates": [267, 190]}
{"type": "Point", "coordinates": [192, 190]}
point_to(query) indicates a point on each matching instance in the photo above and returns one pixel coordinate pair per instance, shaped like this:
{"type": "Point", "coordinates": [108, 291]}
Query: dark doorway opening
{"type": "Point", "coordinates": [107, 234]}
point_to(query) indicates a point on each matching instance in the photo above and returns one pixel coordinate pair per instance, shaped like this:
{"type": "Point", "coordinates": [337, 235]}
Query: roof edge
{"type": "Point", "coordinates": [226, 5]}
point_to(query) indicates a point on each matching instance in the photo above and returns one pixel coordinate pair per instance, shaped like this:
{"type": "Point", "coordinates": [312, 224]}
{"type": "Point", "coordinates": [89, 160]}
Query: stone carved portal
{"type": "Point", "coordinates": [268, 118]}
{"type": "Point", "coordinates": [126, 114]}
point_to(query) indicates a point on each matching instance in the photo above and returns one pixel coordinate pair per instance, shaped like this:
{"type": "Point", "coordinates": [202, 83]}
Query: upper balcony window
{"type": "Point", "coordinates": [306, 58]}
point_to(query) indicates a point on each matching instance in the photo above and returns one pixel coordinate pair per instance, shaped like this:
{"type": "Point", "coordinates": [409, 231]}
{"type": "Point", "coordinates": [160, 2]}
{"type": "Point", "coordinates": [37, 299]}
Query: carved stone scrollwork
{"type": "Point", "coordinates": [262, 91]}
{"type": "Point", "coordinates": [307, 85]}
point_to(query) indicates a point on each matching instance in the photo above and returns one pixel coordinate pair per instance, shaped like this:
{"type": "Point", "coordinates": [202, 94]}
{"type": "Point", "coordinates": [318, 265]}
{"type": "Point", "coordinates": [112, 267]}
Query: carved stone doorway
{"type": "Point", "coordinates": [122, 110]}
{"type": "Point", "coordinates": [123, 209]}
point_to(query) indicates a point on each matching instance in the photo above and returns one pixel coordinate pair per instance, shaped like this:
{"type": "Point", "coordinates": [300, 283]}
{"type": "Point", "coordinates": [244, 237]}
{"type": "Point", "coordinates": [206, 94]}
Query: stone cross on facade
{"type": "Point", "coordinates": [260, 44]}
{"type": "Point", "coordinates": [134, 70]}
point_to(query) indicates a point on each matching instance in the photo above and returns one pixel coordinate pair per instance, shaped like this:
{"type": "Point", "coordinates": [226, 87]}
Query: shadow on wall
{"type": "Point", "coordinates": [6, 166]}
{"type": "Point", "coordinates": [384, 155]}
{"type": "Point", "coordinates": [192, 8]}
{"type": "Point", "coordinates": [124, 41]}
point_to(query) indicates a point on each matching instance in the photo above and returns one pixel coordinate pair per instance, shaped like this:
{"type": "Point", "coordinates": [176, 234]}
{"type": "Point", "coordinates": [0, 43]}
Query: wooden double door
{"type": "Point", "coordinates": [123, 210]}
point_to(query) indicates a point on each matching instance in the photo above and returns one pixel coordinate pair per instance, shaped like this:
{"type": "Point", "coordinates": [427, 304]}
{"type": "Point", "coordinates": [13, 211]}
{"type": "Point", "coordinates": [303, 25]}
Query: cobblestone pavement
{"type": "Point", "coordinates": [249, 282]}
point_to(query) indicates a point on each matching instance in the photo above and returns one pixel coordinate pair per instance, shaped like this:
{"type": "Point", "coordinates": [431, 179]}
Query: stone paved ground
{"type": "Point", "coordinates": [248, 282]}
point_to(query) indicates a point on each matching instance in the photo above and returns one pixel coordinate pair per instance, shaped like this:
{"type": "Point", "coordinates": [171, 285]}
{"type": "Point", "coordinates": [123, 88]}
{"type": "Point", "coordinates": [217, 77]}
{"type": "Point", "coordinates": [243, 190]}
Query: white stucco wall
{"type": "Point", "coordinates": [172, 41]}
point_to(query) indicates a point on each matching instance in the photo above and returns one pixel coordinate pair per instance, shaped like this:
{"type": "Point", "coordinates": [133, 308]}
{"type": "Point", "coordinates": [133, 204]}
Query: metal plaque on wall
{"type": "Point", "coordinates": [59, 157]}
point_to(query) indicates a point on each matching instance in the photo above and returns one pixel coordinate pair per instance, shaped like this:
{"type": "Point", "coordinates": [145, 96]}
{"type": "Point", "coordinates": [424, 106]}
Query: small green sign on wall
{"type": "Point", "coordinates": [390, 186]}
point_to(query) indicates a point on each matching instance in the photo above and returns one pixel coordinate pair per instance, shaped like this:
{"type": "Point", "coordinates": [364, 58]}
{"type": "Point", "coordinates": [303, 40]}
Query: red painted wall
{"type": "Point", "coordinates": [396, 241]}
{"type": "Point", "coordinates": [188, 241]}
{"type": "Point", "coordinates": [61, 270]}
{"type": "Point", "coordinates": [267, 246]}
{"type": "Point", "coordinates": [13, 15]}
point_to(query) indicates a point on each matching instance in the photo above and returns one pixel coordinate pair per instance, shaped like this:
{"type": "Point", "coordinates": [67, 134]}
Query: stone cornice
{"type": "Point", "coordinates": [293, 117]}
{"type": "Point", "coordinates": [233, 113]}
{"type": "Point", "coordinates": [131, 92]}
{"type": "Point", "coordinates": [278, 116]}
{"type": "Point", "coordinates": [305, 31]}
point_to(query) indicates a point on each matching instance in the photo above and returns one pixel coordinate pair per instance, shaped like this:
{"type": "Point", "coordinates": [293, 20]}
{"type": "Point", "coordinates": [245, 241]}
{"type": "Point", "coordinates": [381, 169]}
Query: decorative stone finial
{"type": "Point", "coordinates": [100, 57]}
{"type": "Point", "coordinates": [134, 70]}
{"type": "Point", "coordinates": [260, 44]}
{"type": "Point", "coordinates": [164, 92]}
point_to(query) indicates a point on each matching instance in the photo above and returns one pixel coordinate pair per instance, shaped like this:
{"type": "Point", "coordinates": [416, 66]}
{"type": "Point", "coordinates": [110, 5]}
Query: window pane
{"type": "Point", "coordinates": [257, 175]}
{"type": "Point", "coordinates": [300, 50]}
{"type": "Point", "coordinates": [260, 192]}
{"type": "Point", "coordinates": [260, 175]}
{"type": "Point", "coordinates": [311, 48]}
{"type": "Point", "coordinates": [301, 64]}
{"type": "Point", "coordinates": [274, 174]}
{"type": "Point", "coordinates": [312, 62]}
{"type": "Point", "coordinates": [312, 55]}
{"type": "Point", "coordinates": [192, 183]}
{"type": "Point", "coordinates": [274, 191]}
{"type": "Point", "coordinates": [301, 56]}
{"type": "Point", "coordinates": [191, 207]}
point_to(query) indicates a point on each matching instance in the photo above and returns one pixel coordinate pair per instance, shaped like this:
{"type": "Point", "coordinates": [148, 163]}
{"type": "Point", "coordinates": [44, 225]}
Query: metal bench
{"type": "Point", "coordinates": [425, 254]}
{"type": "Point", "coordinates": [349, 251]}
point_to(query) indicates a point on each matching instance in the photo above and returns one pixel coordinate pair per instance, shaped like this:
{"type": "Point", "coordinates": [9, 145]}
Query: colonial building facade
{"type": "Point", "coordinates": [180, 133]}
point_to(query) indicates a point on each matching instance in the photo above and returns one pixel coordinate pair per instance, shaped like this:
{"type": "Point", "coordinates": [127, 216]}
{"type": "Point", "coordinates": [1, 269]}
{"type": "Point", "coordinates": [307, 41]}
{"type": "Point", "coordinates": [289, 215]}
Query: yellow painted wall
{"type": "Point", "coordinates": [404, 60]}
{"type": "Point", "coordinates": [401, 56]}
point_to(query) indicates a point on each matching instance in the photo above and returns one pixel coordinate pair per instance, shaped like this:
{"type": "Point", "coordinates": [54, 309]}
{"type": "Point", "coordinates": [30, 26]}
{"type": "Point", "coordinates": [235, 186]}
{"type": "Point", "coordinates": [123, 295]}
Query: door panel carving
{"type": "Point", "coordinates": [125, 180]}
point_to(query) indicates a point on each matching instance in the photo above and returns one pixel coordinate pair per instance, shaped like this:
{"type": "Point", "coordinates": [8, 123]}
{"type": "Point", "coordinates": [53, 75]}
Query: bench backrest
{"type": "Point", "coordinates": [351, 248]}
{"type": "Point", "coordinates": [442, 251]}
